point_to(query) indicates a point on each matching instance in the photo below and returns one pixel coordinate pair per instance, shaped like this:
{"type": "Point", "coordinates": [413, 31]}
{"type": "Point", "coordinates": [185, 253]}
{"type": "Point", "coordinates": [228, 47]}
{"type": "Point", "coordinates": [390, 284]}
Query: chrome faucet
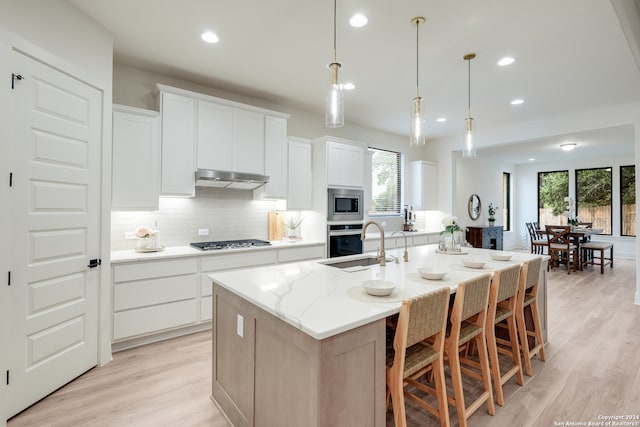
{"type": "Point", "coordinates": [406, 254]}
{"type": "Point", "coordinates": [381, 257]}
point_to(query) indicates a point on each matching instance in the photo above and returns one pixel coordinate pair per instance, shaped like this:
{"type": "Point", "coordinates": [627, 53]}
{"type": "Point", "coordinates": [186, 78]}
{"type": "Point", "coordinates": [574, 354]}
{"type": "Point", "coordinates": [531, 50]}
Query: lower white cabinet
{"type": "Point", "coordinates": [162, 296]}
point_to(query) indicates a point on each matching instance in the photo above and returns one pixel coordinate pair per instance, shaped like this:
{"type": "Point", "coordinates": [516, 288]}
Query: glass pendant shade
{"type": "Point", "coordinates": [417, 120]}
{"type": "Point", "coordinates": [334, 111]}
{"type": "Point", "coordinates": [469, 149]}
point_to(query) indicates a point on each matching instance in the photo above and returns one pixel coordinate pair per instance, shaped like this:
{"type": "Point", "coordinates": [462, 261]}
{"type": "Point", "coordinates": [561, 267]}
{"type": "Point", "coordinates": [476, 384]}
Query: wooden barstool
{"type": "Point", "coordinates": [528, 297]}
{"type": "Point", "coordinates": [502, 308]}
{"type": "Point", "coordinates": [467, 320]}
{"type": "Point", "coordinates": [588, 256]}
{"type": "Point", "coordinates": [417, 348]}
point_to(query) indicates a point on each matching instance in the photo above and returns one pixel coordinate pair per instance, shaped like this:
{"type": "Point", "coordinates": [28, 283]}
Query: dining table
{"type": "Point", "coordinates": [578, 235]}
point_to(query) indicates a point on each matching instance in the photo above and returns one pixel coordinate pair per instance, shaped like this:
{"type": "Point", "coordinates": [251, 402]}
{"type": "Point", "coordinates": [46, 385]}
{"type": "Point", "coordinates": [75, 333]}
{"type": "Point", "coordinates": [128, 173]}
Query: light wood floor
{"type": "Point", "coordinates": [592, 369]}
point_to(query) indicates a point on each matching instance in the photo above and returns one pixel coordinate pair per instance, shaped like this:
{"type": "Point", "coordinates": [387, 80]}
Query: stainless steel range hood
{"type": "Point", "coordinates": [231, 180]}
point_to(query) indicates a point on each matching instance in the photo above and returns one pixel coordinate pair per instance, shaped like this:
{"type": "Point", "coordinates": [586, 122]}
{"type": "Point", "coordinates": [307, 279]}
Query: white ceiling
{"type": "Point", "coordinates": [571, 55]}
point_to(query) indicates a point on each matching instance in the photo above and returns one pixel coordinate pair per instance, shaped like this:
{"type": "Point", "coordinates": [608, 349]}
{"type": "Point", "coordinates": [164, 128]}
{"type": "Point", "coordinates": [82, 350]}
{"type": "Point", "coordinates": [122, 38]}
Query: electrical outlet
{"type": "Point", "coordinates": [130, 235]}
{"type": "Point", "coordinates": [384, 223]}
{"type": "Point", "coordinates": [240, 326]}
{"type": "Point", "coordinates": [203, 232]}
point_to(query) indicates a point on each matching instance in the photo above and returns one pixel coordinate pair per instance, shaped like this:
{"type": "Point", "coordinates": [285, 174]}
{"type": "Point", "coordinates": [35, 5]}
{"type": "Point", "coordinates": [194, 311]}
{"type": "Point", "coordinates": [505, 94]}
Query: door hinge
{"type": "Point", "coordinates": [7, 377]}
{"type": "Point", "coordinates": [15, 77]}
{"type": "Point", "coordinates": [10, 179]}
{"type": "Point", "coordinates": [9, 278]}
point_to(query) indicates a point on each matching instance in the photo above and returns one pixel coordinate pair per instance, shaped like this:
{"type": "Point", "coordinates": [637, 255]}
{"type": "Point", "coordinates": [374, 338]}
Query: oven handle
{"type": "Point", "coordinates": [333, 233]}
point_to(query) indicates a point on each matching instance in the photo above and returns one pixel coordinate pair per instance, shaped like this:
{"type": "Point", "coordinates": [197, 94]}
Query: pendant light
{"type": "Point", "coordinates": [334, 111]}
{"type": "Point", "coordinates": [469, 146]}
{"type": "Point", "coordinates": [417, 135]}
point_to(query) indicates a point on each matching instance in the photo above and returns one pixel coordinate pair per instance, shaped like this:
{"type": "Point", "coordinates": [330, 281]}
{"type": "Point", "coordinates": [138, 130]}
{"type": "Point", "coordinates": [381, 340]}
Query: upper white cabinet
{"type": "Point", "coordinates": [345, 165]}
{"type": "Point", "coordinates": [136, 158]}
{"type": "Point", "coordinates": [178, 144]}
{"type": "Point", "coordinates": [275, 157]}
{"type": "Point", "coordinates": [225, 136]}
{"type": "Point", "coordinates": [424, 185]}
{"type": "Point", "coordinates": [300, 176]}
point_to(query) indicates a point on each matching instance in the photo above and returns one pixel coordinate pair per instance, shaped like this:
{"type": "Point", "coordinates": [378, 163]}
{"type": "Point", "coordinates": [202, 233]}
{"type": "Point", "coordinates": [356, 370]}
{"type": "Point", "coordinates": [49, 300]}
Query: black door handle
{"type": "Point", "coordinates": [94, 263]}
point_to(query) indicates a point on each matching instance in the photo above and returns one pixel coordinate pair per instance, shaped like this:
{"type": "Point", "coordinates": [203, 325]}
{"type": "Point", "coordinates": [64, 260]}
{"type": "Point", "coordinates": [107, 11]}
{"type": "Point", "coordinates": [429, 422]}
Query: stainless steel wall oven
{"type": "Point", "coordinates": [344, 239]}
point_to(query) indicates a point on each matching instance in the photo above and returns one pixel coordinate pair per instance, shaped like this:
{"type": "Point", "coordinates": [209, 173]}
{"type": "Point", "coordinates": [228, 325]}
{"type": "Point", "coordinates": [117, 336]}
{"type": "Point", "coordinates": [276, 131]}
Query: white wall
{"type": "Point", "coordinates": [58, 34]}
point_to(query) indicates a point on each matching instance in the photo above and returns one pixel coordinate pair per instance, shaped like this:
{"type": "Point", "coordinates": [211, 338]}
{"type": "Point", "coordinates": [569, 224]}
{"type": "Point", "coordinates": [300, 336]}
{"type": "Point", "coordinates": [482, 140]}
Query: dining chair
{"type": "Point", "coordinates": [561, 249]}
{"type": "Point", "coordinates": [530, 340]}
{"type": "Point", "coordinates": [538, 243]}
{"type": "Point", "coordinates": [417, 348]}
{"type": "Point", "coordinates": [502, 313]}
{"type": "Point", "coordinates": [467, 324]}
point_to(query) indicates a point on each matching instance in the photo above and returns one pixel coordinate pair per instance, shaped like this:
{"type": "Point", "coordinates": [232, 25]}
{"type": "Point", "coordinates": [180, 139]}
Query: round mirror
{"type": "Point", "coordinates": [474, 207]}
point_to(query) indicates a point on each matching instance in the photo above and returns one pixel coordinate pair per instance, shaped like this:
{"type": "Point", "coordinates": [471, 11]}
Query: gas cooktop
{"type": "Point", "coordinates": [229, 244]}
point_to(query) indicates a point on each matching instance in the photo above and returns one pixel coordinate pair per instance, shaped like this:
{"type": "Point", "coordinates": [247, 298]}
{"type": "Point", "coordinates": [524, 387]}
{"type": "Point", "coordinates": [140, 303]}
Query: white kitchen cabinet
{"type": "Point", "coordinates": [424, 185]}
{"type": "Point", "coordinates": [248, 141]}
{"type": "Point", "coordinates": [136, 158]}
{"type": "Point", "coordinates": [178, 144]}
{"type": "Point", "coordinates": [275, 158]}
{"type": "Point", "coordinates": [294, 254]}
{"type": "Point", "coordinates": [149, 297]}
{"type": "Point", "coordinates": [345, 165]}
{"type": "Point", "coordinates": [300, 178]}
{"type": "Point", "coordinates": [215, 136]}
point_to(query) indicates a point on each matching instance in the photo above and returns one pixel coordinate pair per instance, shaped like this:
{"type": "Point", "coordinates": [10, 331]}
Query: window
{"type": "Point", "coordinates": [593, 197]}
{"type": "Point", "coordinates": [553, 187]}
{"type": "Point", "coordinates": [385, 182]}
{"type": "Point", "coordinates": [628, 200]}
{"type": "Point", "coordinates": [506, 201]}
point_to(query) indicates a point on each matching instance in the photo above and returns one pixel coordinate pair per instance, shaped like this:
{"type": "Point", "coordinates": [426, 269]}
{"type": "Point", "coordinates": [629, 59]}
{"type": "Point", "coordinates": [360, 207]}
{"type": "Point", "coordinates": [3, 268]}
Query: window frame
{"type": "Point", "coordinates": [506, 201]}
{"type": "Point", "coordinates": [577, 189]}
{"type": "Point", "coordinates": [622, 228]}
{"type": "Point", "coordinates": [399, 182]}
{"type": "Point", "coordinates": [538, 188]}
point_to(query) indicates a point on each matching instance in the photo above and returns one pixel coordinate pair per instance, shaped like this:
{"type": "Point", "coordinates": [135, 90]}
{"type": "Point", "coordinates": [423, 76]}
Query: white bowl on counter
{"type": "Point", "coordinates": [431, 273]}
{"type": "Point", "coordinates": [473, 263]}
{"type": "Point", "coordinates": [378, 288]}
{"type": "Point", "coordinates": [500, 256]}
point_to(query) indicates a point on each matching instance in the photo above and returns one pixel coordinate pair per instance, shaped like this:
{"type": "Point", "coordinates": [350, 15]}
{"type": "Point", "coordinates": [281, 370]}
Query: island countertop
{"type": "Point", "coordinates": [324, 301]}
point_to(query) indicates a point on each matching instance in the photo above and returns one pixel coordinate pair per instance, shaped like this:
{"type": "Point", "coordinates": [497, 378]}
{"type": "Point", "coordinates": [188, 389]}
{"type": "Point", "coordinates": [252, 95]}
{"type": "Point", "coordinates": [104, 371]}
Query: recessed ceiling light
{"type": "Point", "coordinates": [507, 60]}
{"type": "Point", "coordinates": [348, 86]}
{"type": "Point", "coordinates": [209, 37]}
{"type": "Point", "coordinates": [517, 101]}
{"type": "Point", "coordinates": [358, 20]}
{"type": "Point", "coordinates": [531, 159]}
{"type": "Point", "coordinates": [568, 146]}
{"type": "Point", "coordinates": [441, 119]}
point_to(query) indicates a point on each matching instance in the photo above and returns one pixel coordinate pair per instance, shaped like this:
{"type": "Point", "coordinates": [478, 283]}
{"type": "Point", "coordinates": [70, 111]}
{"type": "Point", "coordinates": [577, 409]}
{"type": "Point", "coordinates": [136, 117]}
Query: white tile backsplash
{"type": "Point", "coordinates": [228, 214]}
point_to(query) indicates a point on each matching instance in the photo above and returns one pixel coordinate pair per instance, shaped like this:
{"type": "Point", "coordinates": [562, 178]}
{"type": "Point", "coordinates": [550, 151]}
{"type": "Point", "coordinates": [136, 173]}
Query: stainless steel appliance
{"type": "Point", "coordinates": [229, 244]}
{"type": "Point", "coordinates": [232, 180]}
{"type": "Point", "coordinates": [344, 239]}
{"type": "Point", "coordinates": [345, 204]}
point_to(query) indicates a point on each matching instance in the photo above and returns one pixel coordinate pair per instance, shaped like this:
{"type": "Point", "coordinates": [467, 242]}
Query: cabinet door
{"type": "Point", "coordinates": [275, 161]}
{"type": "Point", "coordinates": [424, 185]}
{"type": "Point", "coordinates": [215, 136]}
{"type": "Point", "coordinates": [136, 159]}
{"type": "Point", "coordinates": [178, 145]}
{"type": "Point", "coordinates": [248, 141]}
{"type": "Point", "coordinates": [345, 165]}
{"type": "Point", "coordinates": [300, 177]}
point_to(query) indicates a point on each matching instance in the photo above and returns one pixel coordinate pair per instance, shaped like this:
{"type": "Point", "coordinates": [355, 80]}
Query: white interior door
{"type": "Point", "coordinates": [55, 204]}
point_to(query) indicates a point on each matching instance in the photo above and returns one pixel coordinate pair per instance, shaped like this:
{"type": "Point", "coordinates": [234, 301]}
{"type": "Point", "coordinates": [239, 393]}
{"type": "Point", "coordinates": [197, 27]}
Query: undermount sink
{"type": "Point", "coordinates": [360, 262]}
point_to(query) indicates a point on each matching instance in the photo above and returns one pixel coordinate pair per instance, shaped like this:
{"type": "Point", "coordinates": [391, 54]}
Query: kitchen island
{"type": "Point", "coordinates": [302, 344]}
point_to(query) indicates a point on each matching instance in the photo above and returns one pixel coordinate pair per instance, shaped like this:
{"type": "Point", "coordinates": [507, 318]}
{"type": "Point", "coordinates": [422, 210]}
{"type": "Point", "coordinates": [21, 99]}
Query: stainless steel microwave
{"type": "Point", "coordinates": [345, 204]}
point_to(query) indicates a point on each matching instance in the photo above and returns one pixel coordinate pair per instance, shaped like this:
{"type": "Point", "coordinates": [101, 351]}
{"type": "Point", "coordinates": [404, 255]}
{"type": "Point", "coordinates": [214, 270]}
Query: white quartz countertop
{"type": "Point", "coordinates": [321, 301]}
{"type": "Point", "coordinates": [131, 255]}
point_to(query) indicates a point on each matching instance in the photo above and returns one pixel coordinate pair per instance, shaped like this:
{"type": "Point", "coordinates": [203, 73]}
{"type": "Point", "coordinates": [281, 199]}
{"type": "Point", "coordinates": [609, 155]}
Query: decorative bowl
{"type": "Point", "coordinates": [473, 263]}
{"type": "Point", "coordinates": [430, 273]}
{"type": "Point", "coordinates": [500, 256]}
{"type": "Point", "coordinates": [378, 288]}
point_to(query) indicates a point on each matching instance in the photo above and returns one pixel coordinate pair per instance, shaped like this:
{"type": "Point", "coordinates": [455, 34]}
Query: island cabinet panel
{"type": "Point", "coordinates": [293, 378]}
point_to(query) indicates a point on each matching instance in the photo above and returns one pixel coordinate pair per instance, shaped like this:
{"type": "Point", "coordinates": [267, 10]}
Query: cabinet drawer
{"type": "Point", "coordinates": [206, 308]}
{"type": "Point", "coordinates": [152, 292]}
{"type": "Point", "coordinates": [300, 253]}
{"type": "Point", "coordinates": [150, 270]}
{"type": "Point", "coordinates": [153, 319]}
{"type": "Point", "coordinates": [420, 240]}
{"type": "Point", "coordinates": [243, 259]}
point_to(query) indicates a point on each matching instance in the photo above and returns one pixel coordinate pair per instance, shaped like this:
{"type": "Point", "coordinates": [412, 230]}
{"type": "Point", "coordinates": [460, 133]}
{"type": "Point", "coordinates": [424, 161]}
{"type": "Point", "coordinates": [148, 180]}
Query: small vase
{"type": "Point", "coordinates": [492, 222]}
{"type": "Point", "coordinates": [144, 243]}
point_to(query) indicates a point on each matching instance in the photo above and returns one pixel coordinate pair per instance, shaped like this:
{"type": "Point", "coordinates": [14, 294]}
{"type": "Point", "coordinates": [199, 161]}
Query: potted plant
{"type": "Point", "coordinates": [492, 214]}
